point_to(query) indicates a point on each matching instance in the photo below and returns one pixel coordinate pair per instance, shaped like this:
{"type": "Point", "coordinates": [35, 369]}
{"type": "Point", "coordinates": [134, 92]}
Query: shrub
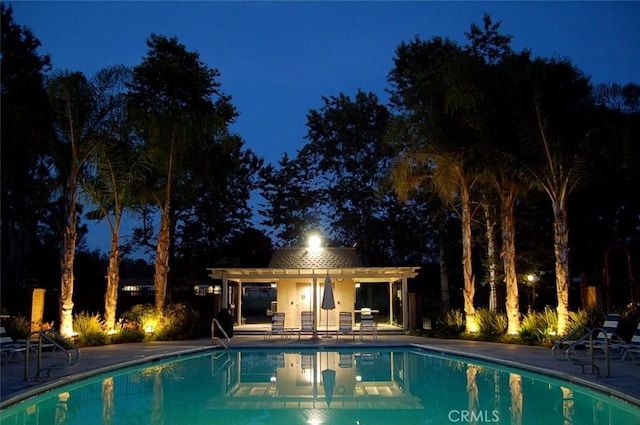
{"type": "Point", "coordinates": [147, 318]}
{"type": "Point", "coordinates": [90, 329]}
{"type": "Point", "coordinates": [177, 321]}
{"type": "Point", "coordinates": [128, 335]}
{"type": "Point", "coordinates": [18, 327]}
{"type": "Point", "coordinates": [450, 325]}
{"type": "Point", "coordinates": [181, 322]}
{"type": "Point", "coordinates": [491, 323]}
{"type": "Point", "coordinates": [539, 327]}
{"type": "Point", "coordinates": [126, 331]}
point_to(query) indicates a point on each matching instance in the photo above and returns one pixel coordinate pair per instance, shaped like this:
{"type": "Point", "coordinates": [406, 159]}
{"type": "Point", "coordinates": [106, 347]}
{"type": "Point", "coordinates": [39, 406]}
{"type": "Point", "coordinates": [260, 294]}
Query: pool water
{"type": "Point", "coordinates": [367, 386]}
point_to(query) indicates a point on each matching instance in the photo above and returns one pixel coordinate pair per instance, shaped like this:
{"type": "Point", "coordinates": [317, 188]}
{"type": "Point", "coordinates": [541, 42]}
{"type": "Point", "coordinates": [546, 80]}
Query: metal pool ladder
{"type": "Point", "coordinates": [569, 345]}
{"type": "Point", "coordinates": [214, 338]}
{"type": "Point", "coordinates": [49, 339]}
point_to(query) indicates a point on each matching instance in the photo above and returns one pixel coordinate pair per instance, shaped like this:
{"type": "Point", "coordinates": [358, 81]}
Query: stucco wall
{"type": "Point", "coordinates": [295, 296]}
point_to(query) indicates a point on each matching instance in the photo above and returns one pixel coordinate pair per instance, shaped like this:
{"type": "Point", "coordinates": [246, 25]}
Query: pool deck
{"type": "Point", "coordinates": [623, 383]}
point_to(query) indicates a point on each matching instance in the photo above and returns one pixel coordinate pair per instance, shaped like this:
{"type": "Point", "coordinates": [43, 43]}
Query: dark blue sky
{"type": "Point", "coordinates": [277, 59]}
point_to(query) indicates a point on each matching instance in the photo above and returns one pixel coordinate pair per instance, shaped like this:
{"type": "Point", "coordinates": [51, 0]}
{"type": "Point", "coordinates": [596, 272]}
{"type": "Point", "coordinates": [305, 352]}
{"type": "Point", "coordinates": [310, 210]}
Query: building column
{"type": "Point", "coordinates": [391, 295]}
{"type": "Point", "coordinates": [405, 304]}
{"type": "Point", "coordinates": [315, 306]}
{"type": "Point", "coordinates": [239, 303]}
{"type": "Point", "coordinates": [225, 291]}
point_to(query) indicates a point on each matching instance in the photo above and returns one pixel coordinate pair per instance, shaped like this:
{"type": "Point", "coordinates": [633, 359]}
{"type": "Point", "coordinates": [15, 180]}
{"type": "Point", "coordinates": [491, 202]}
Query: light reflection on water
{"type": "Point", "coordinates": [389, 386]}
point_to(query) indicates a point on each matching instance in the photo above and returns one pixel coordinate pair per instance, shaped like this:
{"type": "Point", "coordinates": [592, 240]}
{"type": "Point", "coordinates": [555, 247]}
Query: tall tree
{"type": "Point", "coordinates": [82, 110]}
{"type": "Point", "coordinates": [346, 150]}
{"type": "Point", "coordinates": [116, 168]}
{"type": "Point", "coordinates": [212, 203]}
{"type": "Point", "coordinates": [558, 124]}
{"type": "Point", "coordinates": [434, 89]}
{"type": "Point", "coordinates": [500, 86]}
{"type": "Point", "coordinates": [176, 107]}
{"type": "Point", "coordinates": [26, 132]}
{"type": "Point", "coordinates": [290, 194]}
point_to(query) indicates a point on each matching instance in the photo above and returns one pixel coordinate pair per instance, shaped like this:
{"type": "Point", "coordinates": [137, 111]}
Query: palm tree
{"type": "Point", "coordinates": [436, 89]}
{"type": "Point", "coordinates": [451, 181]}
{"type": "Point", "coordinates": [112, 176]}
{"type": "Point", "coordinates": [80, 111]}
{"type": "Point", "coordinates": [558, 178]}
{"type": "Point", "coordinates": [556, 125]}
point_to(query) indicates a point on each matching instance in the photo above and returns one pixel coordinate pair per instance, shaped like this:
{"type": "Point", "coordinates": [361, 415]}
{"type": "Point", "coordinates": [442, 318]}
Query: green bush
{"type": "Point", "coordinates": [128, 335]}
{"type": "Point", "coordinates": [180, 322]}
{"type": "Point", "coordinates": [491, 323]}
{"type": "Point", "coordinates": [147, 318]}
{"type": "Point", "coordinates": [18, 327]}
{"type": "Point", "coordinates": [539, 327]}
{"type": "Point", "coordinates": [90, 329]}
{"type": "Point", "coordinates": [450, 325]}
{"type": "Point", "coordinates": [177, 321]}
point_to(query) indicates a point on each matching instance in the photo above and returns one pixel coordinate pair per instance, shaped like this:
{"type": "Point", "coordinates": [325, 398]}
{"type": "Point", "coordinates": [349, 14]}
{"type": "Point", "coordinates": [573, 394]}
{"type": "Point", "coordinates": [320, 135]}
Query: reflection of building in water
{"type": "Point", "coordinates": [316, 380]}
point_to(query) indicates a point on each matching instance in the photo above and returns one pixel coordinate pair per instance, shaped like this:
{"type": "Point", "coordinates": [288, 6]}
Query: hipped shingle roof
{"type": "Point", "coordinates": [310, 258]}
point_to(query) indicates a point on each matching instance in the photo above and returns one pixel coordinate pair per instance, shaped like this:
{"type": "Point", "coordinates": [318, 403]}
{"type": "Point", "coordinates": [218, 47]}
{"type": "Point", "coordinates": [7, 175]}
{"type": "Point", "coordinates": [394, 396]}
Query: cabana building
{"type": "Point", "coordinates": [296, 279]}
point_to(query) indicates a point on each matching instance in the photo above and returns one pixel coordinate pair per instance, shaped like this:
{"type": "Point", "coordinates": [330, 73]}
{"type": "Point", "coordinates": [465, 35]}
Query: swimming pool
{"type": "Point", "coordinates": [315, 386]}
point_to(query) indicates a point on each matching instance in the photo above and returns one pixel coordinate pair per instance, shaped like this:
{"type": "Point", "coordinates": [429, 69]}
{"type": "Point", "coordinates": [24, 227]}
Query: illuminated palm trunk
{"type": "Point", "coordinates": [162, 260]}
{"type": "Point", "coordinates": [561, 251]}
{"type": "Point", "coordinates": [517, 398]}
{"type": "Point", "coordinates": [69, 238]}
{"type": "Point", "coordinates": [509, 261]}
{"type": "Point", "coordinates": [467, 267]}
{"type": "Point", "coordinates": [113, 282]}
{"type": "Point", "coordinates": [490, 221]}
{"type": "Point", "coordinates": [108, 401]}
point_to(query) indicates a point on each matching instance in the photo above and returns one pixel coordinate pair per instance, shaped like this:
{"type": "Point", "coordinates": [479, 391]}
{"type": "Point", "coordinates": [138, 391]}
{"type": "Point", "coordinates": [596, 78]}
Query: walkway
{"type": "Point", "coordinates": [624, 382]}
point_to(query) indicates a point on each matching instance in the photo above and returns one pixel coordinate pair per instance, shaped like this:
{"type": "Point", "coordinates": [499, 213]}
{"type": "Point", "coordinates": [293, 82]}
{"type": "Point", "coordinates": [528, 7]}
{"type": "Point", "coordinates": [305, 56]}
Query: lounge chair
{"type": "Point", "coordinates": [633, 347]}
{"type": "Point", "coordinates": [9, 347]}
{"type": "Point", "coordinates": [608, 338]}
{"type": "Point", "coordinates": [345, 325]}
{"type": "Point", "coordinates": [277, 326]}
{"type": "Point", "coordinates": [307, 323]}
{"type": "Point", "coordinates": [367, 323]}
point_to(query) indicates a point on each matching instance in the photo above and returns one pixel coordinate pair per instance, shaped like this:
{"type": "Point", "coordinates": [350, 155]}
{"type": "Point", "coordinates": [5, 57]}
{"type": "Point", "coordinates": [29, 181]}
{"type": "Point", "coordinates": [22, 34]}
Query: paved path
{"type": "Point", "coordinates": [624, 381]}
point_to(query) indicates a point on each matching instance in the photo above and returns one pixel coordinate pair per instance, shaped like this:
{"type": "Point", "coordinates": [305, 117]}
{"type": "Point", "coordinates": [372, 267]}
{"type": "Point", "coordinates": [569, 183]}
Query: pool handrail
{"type": "Point", "coordinates": [588, 342]}
{"type": "Point", "coordinates": [54, 340]}
{"type": "Point", "coordinates": [217, 323]}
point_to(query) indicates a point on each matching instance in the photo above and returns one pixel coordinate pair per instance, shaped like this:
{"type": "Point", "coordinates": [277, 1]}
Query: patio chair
{"type": "Point", "coordinates": [608, 338]}
{"type": "Point", "coordinates": [277, 326]}
{"type": "Point", "coordinates": [9, 347]}
{"type": "Point", "coordinates": [345, 360]}
{"type": "Point", "coordinates": [345, 325]}
{"type": "Point", "coordinates": [367, 323]}
{"type": "Point", "coordinates": [633, 347]}
{"type": "Point", "coordinates": [307, 323]}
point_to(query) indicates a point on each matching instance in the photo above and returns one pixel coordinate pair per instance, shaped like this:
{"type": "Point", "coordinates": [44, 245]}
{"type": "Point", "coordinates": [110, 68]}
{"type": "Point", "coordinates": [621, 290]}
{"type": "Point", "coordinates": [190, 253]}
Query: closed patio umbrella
{"type": "Point", "coordinates": [328, 381]}
{"type": "Point", "coordinates": [328, 303]}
